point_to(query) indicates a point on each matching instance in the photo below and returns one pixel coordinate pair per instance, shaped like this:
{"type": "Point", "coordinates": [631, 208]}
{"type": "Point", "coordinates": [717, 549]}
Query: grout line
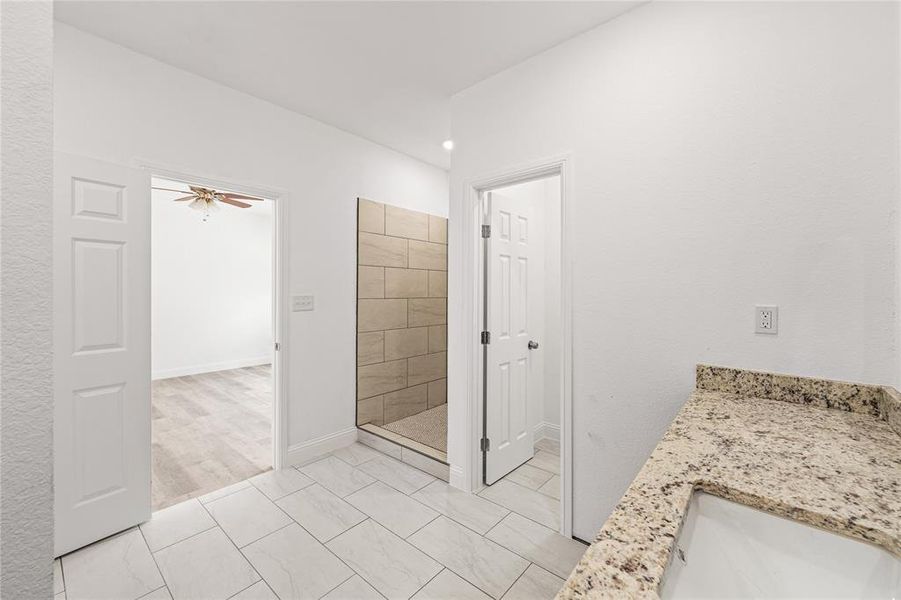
{"type": "Point", "coordinates": [432, 520]}
{"type": "Point", "coordinates": [155, 563]}
{"type": "Point", "coordinates": [353, 574]}
{"type": "Point", "coordinates": [440, 571]}
{"type": "Point", "coordinates": [236, 546]}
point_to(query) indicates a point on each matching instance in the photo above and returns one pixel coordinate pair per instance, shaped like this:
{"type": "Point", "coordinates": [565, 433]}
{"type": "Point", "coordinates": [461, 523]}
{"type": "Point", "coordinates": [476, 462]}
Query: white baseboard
{"type": "Point", "coordinates": [458, 479]}
{"type": "Point", "coordinates": [300, 453]}
{"type": "Point", "coordinates": [210, 367]}
{"type": "Point", "coordinates": [547, 430]}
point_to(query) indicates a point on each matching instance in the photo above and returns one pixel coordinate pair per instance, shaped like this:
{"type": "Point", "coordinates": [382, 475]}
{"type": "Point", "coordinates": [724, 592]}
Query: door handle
{"type": "Point", "coordinates": [533, 345]}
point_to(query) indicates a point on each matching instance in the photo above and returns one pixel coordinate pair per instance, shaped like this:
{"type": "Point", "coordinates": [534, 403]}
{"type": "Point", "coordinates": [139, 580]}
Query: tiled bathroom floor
{"type": "Point", "coordinates": [353, 524]}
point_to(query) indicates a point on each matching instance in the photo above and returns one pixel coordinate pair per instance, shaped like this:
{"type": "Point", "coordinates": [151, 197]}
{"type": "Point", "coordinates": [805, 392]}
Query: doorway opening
{"type": "Point", "coordinates": [521, 312]}
{"type": "Point", "coordinates": [521, 351]}
{"type": "Point", "coordinates": [212, 338]}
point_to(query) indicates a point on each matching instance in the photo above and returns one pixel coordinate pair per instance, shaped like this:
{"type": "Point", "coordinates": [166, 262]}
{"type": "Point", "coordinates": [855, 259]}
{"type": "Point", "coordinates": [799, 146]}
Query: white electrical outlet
{"type": "Point", "coordinates": [301, 303]}
{"type": "Point", "coordinates": [766, 319]}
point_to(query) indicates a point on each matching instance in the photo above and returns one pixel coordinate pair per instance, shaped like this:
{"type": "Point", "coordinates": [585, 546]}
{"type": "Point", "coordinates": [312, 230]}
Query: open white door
{"type": "Point", "coordinates": [101, 349]}
{"type": "Point", "coordinates": [508, 419]}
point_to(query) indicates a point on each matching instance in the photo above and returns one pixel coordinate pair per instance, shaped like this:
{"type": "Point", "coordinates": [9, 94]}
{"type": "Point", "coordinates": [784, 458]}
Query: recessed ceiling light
{"type": "Point", "coordinates": [448, 144]}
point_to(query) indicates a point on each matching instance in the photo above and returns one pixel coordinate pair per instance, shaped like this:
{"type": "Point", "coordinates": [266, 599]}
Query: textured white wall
{"type": "Point", "coordinates": [26, 392]}
{"type": "Point", "coordinates": [117, 105]}
{"type": "Point", "coordinates": [212, 286]}
{"type": "Point", "coordinates": [723, 155]}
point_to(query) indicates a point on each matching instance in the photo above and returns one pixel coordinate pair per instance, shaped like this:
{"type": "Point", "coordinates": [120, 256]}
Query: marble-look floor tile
{"type": "Point", "coordinates": [158, 594]}
{"type": "Point", "coordinates": [247, 516]}
{"type": "Point", "coordinates": [392, 566]}
{"type": "Point", "coordinates": [356, 454]}
{"type": "Point", "coordinates": [399, 513]}
{"type": "Point", "coordinates": [337, 476]}
{"type": "Point", "coordinates": [401, 477]}
{"type": "Point", "coordinates": [478, 514]}
{"type": "Point", "coordinates": [528, 503]}
{"type": "Point", "coordinates": [548, 445]}
{"type": "Point", "coordinates": [58, 584]}
{"type": "Point", "coordinates": [175, 524]}
{"type": "Point", "coordinates": [449, 586]}
{"type": "Point", "coordinates": [529, 476]}
{"type": "Point", "coordinates": [481, 562]}
{"type": "Point", "coordinates": [258, 591]}
{"type": "Point", "coordinates": [320, 512]}
{"type": "Point", "coordinates": [278, 484]}
{"type": "Point", "coordinates": [295, 565]}
{"type": "Point", "coordinates": [546, 461]}
{"type": "Point", "coordinates": [535, 584]}
{"type": "Point", "coordinates": [223, 492]}
{"type": "Point", "coordinates": [541, 545]}
{"type": "Point", "coordinates": [205, 567]}
{"type": "Point", "coordinates": [354, 588]}
{"type": "Point", "coordinates": [551, 488]}
{"type": "Point", "coordinates": [117, 568]}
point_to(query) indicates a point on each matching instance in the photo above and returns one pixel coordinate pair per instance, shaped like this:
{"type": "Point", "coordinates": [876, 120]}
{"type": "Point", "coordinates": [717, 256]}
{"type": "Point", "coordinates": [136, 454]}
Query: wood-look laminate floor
{"type": "Point", "coordinates": [209, 431]}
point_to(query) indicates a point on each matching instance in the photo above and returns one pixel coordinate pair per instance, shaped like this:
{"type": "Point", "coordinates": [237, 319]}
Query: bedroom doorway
{"type": "Point", "coordinates": [212, 338]}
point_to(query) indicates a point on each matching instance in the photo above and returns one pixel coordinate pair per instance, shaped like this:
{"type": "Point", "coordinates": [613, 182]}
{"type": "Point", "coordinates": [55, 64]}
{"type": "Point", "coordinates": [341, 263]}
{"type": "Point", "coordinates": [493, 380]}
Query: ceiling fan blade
{"type": "Point", "coordinates": [238, 196]}
{"type": "Point", "coordinates": [169, 190]}
{"type": "Point", "coordinates": [185, 199]}
{"type": "Point", "coordinates": [235, 203]}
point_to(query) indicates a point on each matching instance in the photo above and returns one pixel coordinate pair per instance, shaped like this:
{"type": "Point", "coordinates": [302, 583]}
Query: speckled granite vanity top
{"type": "Point", "coordinates": [821, 452]}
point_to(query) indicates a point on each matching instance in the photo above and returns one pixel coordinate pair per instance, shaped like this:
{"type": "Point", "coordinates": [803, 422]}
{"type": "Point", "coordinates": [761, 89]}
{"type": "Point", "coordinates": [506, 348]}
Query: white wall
{"type": "Point", "coordinates": [117, 105]}
{"type": "Point", "coordinates": [723, 155]}
{"type": "Point", "coordinates": [211, 292]}
{"type": "Point", "coordinates": [26, 315]}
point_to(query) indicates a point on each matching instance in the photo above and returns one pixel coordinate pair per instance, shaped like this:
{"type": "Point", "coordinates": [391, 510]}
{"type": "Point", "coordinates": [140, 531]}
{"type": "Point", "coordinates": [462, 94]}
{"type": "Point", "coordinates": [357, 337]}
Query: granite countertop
{"type": "Point", "coordinates": [821, 452]}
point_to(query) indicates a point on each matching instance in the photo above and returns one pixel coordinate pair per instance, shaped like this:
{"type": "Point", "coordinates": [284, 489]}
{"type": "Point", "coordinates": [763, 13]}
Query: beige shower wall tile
{"type": "Point", "coordinates": [422, 369]}
{"type": "Point", "coordinates": [406, 283]}
{"type": "Point", "coordinates": [380, 378]}
{"type": "Point", "coordinates": [371, 410]}
{"type": "Point", "coordinates": [371, 282]}
{"type": "Point", "coordinates": [370, 348]}
{"type": "Point", "coordinates": [404, 403]}
{"type": "Point", "coordinates": [438, 284]}
{"type": "Point", "coordinates": [427, 311]}
{"type": "Point", "coordinates": [371, 216]}
{"type": "Point", "coordinates": [437, 229]}
{"type": "Point", "coordinates": [427, 255]}
{"type": "Point", "coordinates": [377, 314]}
{"type": "Point", "coordinates": [437, 338]}
{"type": "Point", "coordinates": [437, 393]}
{"type": "Point", "coordinates": [382, 251]}
{"type": "Point", "coordinates": [403, 343]}
{"type": "Point", "coordinates": [405, 223]}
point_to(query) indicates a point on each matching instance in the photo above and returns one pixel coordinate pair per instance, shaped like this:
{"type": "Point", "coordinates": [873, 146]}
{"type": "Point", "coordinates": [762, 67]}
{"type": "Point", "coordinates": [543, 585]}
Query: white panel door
{"type": "Point", "coordinates": [101, 349]}
{"type": "Point", "coordinates": [508, 411]}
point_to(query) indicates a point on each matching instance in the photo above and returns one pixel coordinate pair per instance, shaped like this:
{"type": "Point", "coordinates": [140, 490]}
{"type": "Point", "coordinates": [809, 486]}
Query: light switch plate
{"type": "Point", "coordinates": [302, 302]}
{"type": "Point", "coordinates": [766, 319]}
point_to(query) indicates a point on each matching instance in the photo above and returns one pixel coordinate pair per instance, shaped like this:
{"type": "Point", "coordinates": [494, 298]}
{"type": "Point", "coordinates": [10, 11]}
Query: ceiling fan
{"type": "Point", "coordinates": [204, 199]}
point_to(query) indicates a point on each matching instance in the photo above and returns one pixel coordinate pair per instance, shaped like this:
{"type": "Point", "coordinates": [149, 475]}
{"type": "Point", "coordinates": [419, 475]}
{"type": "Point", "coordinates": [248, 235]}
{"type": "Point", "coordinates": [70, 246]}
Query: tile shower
{"type": "Point", "coordinates": [402, 326]}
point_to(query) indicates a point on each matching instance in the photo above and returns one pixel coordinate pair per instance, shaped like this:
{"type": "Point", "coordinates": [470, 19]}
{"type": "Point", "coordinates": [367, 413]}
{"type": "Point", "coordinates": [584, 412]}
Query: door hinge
{"type": "Point", "coordinates": [277, 346]}
{"type": "Point", "coordinates": [486, 337]}
{"type": "Point", "coordinates": [486, 231]}
{"type": "Point", "coordinates": [485, 444]}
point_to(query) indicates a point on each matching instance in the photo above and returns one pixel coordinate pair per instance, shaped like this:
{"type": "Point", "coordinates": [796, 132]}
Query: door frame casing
{"type": "Point", "coordinates": [279, 288]}
{"type": "Point", "coordinates": [473, 293]}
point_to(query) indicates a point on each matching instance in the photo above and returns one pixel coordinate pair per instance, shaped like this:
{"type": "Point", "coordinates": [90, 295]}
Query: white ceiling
{"type": "Point", "coordinates": [382, 70]}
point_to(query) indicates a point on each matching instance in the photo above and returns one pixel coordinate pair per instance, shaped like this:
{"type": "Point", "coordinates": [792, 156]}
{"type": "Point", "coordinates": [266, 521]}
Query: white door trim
{"type": "Point", "coordinates": [469, 474]}
{"type": "Point", "coordinates": [280, 289]}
